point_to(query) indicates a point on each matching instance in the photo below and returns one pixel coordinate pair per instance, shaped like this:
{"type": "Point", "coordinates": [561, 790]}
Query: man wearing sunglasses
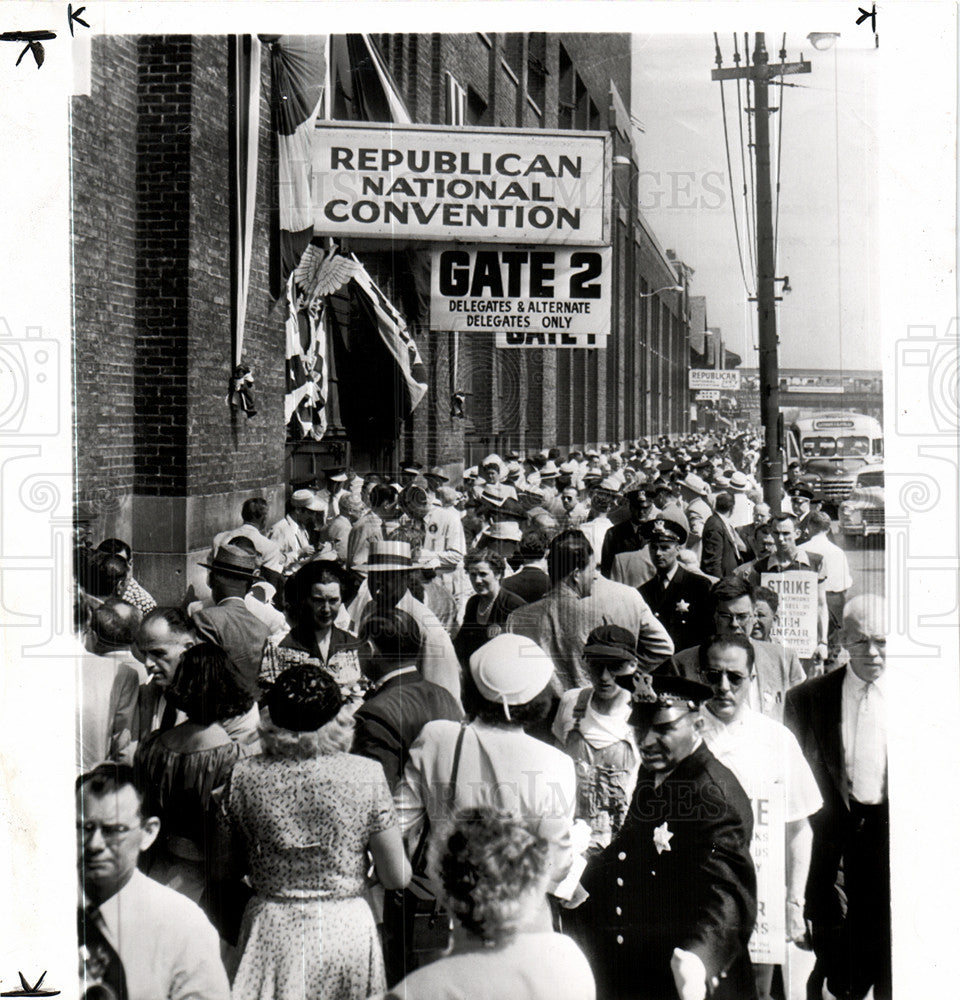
{"type": "Point", "coordinates": [768, 762]}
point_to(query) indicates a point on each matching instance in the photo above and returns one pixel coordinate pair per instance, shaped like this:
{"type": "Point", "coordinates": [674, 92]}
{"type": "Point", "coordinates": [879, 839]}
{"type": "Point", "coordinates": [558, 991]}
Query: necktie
{"type": "Point", "coordinates": [102, 972]}
{"type": "Point", "coordinates": [169, 717]}
{"type": "Point", "coordinates": [869, 753]}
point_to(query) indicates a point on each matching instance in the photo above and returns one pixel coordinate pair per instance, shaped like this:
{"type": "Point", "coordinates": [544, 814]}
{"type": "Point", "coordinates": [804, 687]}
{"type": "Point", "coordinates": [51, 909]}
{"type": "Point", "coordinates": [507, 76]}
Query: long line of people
{"type": "Point", "coordinates": [408, 718]}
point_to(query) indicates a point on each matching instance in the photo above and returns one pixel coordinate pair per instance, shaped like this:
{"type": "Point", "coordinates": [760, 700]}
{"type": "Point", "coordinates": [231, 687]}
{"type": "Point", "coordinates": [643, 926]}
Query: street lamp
{"type": "Point", "coordinates": [823, 40]}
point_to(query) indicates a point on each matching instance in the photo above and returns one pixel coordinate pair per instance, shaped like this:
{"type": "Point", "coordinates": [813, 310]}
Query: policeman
{"type": "Point", "coordinates": [672, 901]}
{"type": "Point", "coordinates": [680, 599]}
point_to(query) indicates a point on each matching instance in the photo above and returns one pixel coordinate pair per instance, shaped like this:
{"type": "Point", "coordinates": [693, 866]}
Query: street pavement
{"type": "Point", "coordinates": [866, 557]}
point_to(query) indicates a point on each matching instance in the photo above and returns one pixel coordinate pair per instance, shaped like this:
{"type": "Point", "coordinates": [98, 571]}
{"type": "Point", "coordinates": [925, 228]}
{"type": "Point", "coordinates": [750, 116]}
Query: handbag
{"type": "Point", "coordinates": [427, 923]}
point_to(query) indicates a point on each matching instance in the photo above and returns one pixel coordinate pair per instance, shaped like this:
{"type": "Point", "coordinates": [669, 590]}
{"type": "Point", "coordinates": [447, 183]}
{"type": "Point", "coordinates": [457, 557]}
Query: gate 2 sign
{"type": "Point", "coordinates": [532, 298]}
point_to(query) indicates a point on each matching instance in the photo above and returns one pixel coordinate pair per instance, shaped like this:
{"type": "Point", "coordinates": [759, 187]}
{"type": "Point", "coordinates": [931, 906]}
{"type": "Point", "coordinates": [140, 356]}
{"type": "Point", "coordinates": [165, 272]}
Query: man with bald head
{"type": "Point", "coordinates": [840, 723]}
{"type": "Point", "coordinates": [109, 684]}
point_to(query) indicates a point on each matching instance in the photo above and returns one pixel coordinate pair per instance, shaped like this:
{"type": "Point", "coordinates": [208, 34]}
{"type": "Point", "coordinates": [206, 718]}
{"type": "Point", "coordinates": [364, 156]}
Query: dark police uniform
{"type": "Point", "coordinates": [684, 607]}
{"type": "Point", "coordinates": [678, 875]}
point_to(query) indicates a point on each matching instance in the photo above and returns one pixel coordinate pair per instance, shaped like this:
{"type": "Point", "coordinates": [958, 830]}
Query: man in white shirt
{"type": "Point", "coordinates": [389, 570]}
{"type": "Point", "coordinates": [109, 684]}
{"type": "Point", "coordinates": [603, 498]}
{"type": "Point", "coordinates": [443, 534]}
{"type": "Point", "coordinates": [840, 722]}
{"type": "Point", "coordinates": [768, 762]}
{"type": "Point", "coordinates": [742, 514]}
{"type": "Point", "coordinates": [138, 938]}
{"type": "Point", "coordinates": [291, 533]}
{"type": "Point", "coordinates": [254, 515]}
{"type": "Point", "coordinates": [838, 580]}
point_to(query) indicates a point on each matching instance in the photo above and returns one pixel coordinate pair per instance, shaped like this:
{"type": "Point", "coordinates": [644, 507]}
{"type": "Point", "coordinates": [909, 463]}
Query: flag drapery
{"type": "Point", "coordinates": [244, 58]}
{"type": "Point", "coordinates": [336, 77]}
{"type": "Point", "coordinates": [319, 275]}
{"type": "Point", "coordinates": [299, 69]}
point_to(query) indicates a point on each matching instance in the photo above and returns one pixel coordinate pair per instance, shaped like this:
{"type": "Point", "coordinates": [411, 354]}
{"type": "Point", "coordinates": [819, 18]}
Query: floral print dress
{"type": "Point", "coordinates": [309, 931]}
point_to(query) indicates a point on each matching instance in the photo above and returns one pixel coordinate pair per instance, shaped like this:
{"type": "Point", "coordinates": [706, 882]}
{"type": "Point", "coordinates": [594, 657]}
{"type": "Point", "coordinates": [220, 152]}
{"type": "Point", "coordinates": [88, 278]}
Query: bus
{"type": "Point", "coordinates": [831, 447]}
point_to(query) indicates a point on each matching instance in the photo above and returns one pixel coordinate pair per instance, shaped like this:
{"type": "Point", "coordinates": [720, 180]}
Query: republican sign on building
{"type": "Point", "coordinates": [710, 378]}
{"type": "Point", "coordinates": [473, 185]}
{"type": "Point", "coordinates": [531, 298]}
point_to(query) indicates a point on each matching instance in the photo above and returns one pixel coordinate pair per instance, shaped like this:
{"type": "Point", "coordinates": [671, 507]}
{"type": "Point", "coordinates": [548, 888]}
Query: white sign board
{"type": "Point", "coordinates": [710, 378]}
{"type": "Point", "coordinates": [768, 941]}
{"type": "Point", "coordinates": [465, 184]}
{"type": "Point", "coordinates": [709, 395]}
{"type": "Point", "coordinates": [530, 298]}
{"type": "Point", "coordinates": [796, 625]}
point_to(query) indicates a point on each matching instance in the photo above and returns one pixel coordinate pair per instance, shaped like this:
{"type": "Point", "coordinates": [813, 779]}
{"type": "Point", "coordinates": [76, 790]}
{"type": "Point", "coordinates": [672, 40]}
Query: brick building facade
{"type": "Point", "coordinates": [160, 456]}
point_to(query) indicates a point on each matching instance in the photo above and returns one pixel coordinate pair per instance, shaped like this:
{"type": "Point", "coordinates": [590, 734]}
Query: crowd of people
{"type": "Point", "coordinates": [556, 731]}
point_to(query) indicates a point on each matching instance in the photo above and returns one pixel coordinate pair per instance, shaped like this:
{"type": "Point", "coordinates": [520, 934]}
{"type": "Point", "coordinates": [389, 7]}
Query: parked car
{"type": "Point", "coordinates": [862, 513]}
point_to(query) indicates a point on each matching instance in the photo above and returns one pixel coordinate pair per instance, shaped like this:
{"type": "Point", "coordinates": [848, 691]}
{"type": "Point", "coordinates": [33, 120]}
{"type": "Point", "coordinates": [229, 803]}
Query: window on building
{"type": "Point", "coordinates": [512, 52]}
{"type": "Point", "coordinates": [593, 117]}
{"type": "Point", "coordinates": [565, 95]}
{"type": "Point", "coordinates": [455, 109]}
{"type": "Point", "coordinates": [537, 68]}
{"type": "Point", "coordinates": [581, 105]}
{"type": "Point", "coordinates": [476, 109]}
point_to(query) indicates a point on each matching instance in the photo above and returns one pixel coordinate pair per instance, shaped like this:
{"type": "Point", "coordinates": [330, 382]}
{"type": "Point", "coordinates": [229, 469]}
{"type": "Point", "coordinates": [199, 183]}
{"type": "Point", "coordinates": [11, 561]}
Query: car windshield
{"type": "Point", "coordinates": [829, 447]}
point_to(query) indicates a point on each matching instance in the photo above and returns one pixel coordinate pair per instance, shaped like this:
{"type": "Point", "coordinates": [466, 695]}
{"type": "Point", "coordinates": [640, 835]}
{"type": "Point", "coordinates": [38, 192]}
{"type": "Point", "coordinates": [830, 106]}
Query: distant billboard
{"type": "Point", "coordinates": [710, 378]}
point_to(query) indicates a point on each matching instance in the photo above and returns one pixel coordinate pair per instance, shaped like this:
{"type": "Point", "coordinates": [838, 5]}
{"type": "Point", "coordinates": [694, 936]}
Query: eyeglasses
{"type": "Point", "coordinates": [729, 619]}
{"type": "Point", "coordinates": [713, 676]}
{"type": "Point", "coordinates": [111, 832]}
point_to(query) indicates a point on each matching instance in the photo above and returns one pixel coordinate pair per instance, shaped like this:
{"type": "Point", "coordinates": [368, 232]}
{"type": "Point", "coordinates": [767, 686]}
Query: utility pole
{"type": "Point", "coordinates": [760, 73]}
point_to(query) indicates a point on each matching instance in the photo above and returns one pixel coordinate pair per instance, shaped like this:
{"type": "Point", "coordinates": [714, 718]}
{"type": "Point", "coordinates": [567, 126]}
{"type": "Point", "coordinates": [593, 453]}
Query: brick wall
{"type": "Point", "coordinates": [104, 248]}
{"type": "Point", "coordinates": [228, 451]}
{"type": "Point", "coordinates": [154, 347]}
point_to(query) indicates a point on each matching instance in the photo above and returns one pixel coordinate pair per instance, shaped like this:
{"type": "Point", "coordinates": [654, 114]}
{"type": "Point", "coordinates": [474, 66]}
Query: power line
{"type": "Point", "coordinates": [750, 146]}
{"type": "Point", "coordinates": [743, 165]}
{"type": "Point", "coordinates": [776, 218]}
{"type": "Point", "coordinates": [726, 143]}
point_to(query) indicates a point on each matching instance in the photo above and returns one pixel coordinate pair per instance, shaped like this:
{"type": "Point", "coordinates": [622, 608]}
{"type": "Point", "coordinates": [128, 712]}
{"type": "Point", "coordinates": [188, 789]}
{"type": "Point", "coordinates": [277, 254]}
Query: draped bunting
{"type": "Point", "coordinates": [245, 144]}
{"type": "Point", "coordinates": [341, 77]}
{"type": "Point", "coordinates": [299, 67]}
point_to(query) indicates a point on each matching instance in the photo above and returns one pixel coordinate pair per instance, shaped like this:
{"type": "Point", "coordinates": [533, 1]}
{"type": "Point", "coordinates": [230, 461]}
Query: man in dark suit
{"type": "Point", "coordinates": [672, 901]}
{"type": "Point", "coordinates": [625, 536]}
{"type": "Point", "coordinates": [721, 553]}
{"type": "Point", "coordinates": [680, 600]}
{"type": "Point", "coordinates": [840, 722]}
{"type": "Point", "coordinates": [165, 635]}
{"type": "Point", "coordinates": [400, 702]}
{"type": "Point", "coordinates": [229, 623]}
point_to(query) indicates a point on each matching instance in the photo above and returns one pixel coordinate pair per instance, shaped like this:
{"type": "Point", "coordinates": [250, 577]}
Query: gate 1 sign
{"type": "Point", "coordinates": [477, 185]}
{"type": "Point", "coordinates": [532, 298]}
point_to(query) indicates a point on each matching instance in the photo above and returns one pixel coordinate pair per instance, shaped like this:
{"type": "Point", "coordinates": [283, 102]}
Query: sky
{"type": "Point", "coordinates": [830, 319]}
